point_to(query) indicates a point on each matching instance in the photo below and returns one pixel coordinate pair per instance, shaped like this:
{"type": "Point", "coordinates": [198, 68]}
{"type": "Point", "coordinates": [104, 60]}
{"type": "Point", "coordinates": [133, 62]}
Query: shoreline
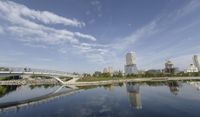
{"type": "Point", "coordinates": [158, 79]}
{"type": "Point", "coordinates": [95, 83]}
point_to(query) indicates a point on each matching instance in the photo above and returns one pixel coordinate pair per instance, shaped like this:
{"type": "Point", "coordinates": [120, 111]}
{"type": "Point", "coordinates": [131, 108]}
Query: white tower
{"type": "Point", "coordinates": [130, 67]}
{"type": "Point", "coordinates": [130, 58]}
{"type": "Point", "coordinates": [196, 61]}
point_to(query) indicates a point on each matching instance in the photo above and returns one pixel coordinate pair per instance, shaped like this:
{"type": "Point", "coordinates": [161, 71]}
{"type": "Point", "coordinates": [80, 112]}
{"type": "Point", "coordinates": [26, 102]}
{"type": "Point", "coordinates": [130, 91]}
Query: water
{"type": "Point", "coordinates": [158, 99]}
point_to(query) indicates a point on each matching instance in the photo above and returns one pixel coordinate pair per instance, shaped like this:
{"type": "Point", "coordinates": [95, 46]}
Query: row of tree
{"type": "Point", "coordinates": [147, 74]}
{"type": "Point", "coordinates": [180, 74]}
{"type": "Point", "coordinates": [104, 75]}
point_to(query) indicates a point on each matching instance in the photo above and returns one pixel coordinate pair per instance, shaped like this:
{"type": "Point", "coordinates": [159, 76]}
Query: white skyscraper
{"type": "Point", "coordinates": [196, 61]}
{"type": "Point", "coordinates": [191, 68]}
{"type": "Point", "coordinates": [130, 58]}
{"type": "Point", "coordinates": [130, 67]}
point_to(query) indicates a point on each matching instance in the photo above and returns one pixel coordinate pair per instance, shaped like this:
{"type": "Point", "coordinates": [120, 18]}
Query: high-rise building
{"type": "Point", "coordinates": [191, 68]}
{"type": "Point", "coordinates": [130, 67]}
{"type": "Point", "coordinates": [130, 58]}
{"type": "Point", "coordinates": [169, 67]}
{"type": "Point", "coordinates": [196, 61]}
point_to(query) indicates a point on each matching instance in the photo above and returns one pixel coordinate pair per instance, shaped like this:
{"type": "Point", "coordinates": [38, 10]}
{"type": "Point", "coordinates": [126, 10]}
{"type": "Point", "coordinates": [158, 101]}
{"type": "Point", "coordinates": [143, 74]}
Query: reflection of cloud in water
{"type": "Point", "coordinates": [195, 84]}
{"type": "Point", "coordinates": [97, 105]}
{"type": "Point", "coordinates": [134, 95]}
{"type": "Point", "coordinates": [100, 104]}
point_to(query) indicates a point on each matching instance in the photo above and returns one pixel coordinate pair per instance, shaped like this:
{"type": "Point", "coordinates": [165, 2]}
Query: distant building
{"type": "Point", "coordinates": [130, 67]}
{"type": "Point", "coordinates": [105, 70]}
{"type": "Point", "coordinates": [191, 68]}
{"type": "Point", "coordinates": [196, 61]}
{"type": "Point", "coordinates": [169, 67]}
{"type": "Point", "coordinates": [108, 70]}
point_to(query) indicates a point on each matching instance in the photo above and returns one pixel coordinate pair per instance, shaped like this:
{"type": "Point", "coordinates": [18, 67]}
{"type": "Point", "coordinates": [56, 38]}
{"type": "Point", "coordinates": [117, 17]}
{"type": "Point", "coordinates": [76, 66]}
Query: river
{"type": "Point", "coordinates": [144, 99]}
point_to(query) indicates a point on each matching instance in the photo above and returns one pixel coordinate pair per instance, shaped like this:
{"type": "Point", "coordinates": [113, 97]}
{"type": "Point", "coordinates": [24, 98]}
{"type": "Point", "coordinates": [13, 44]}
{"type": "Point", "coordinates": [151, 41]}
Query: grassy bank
{"type": "Point", "coordinates": [4, 78]}
{"type": "Point", "coordinates": [98, 76]}
{"type": "Point", "coordinates": [92, 79]}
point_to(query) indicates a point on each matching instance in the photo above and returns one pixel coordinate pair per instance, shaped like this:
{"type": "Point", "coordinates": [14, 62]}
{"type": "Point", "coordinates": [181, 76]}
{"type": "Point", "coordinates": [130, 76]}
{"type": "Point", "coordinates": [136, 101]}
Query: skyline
{"type": "Point", "coordinates": [86, 36]}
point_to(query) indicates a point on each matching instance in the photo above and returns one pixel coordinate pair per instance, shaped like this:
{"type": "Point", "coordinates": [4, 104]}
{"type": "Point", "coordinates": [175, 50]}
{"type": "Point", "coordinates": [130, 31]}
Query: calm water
{"type": "Point", "coordinates": [160, 99]}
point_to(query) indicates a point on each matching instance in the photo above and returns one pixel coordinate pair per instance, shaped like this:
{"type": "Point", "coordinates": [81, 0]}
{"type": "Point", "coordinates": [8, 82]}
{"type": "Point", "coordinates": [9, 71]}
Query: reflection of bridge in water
{"type": "Point", "coordinates": [134, 95]}
{"type": "Point", "coordinates": [38, 100]}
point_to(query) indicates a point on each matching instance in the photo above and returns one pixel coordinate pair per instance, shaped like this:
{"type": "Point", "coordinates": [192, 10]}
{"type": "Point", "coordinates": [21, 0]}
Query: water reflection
{"type": "Point", "coordinates": [117, 100]}
{"type": "Point", "coordinates": [196, 85]}
{"type": "Point", "coordinates": [174, 87]}
{"type": "Point", "coordinates": [133, 91]}
{"type": "Point", "coordinates": [134, 96]}
{"type": "Point", "coordinates": [7, 89]}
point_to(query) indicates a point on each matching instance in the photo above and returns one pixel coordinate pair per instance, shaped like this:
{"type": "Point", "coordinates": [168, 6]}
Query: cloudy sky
{"type": "Point", "coordinates": [87, 35]}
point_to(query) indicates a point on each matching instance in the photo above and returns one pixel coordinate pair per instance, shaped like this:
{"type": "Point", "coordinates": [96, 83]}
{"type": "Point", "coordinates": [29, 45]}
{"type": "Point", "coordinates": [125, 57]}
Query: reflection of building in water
{"type": "Point", "coordinates": [195, 84]}
{"type": "Point", "coordinates": [134, 95]}
{"type": "Point", "coordinates": [174, 87]}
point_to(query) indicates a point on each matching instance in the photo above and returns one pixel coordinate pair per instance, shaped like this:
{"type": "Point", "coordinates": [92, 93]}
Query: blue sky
{"type": "Point", "coordinates": [87, 35]}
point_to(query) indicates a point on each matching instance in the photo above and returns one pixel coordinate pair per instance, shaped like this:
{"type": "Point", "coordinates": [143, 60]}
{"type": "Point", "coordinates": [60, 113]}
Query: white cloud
{"type": "Point", "coordinates": [85, 36]}
{"type": "Point", "coordinates": [126, 42]}
{"type": "Point", "coordinates": [190, 7]}
{"type": "Point", "coordinates": [18, 15]}
{"type": "Point", "coordinates": [22, 24]}
{"type": "Point", "coordinates": [18, 10]}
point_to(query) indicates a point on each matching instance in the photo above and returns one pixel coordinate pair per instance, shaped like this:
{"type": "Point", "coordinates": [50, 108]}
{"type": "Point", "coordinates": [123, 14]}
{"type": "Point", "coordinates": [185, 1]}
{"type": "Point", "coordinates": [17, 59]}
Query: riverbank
{"type": "Point", "coordinates": [93, 83]}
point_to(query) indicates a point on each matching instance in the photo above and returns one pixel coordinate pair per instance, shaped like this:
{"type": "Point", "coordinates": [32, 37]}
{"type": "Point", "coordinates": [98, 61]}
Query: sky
{"type": "Point", "coordinates": [88, 35]}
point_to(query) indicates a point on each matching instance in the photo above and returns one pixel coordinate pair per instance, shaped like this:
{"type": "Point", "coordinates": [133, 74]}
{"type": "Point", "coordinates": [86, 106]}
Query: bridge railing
{"type": "Point", "coordinates": [39, 73]}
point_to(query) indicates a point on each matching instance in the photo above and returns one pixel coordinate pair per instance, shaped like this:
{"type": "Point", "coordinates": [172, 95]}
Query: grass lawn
{"type": "Point", "coordinates": [3, 78]}
{"type": "Point", "coordinates": [91, 79]}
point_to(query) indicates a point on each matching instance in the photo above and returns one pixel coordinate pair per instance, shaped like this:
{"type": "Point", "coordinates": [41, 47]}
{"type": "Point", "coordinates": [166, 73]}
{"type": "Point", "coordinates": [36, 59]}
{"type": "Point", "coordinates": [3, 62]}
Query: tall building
{"type": "Point", "coordinates": [130, 58]}
{"type": "Point", "coordinates": [130, 67]}
{"type": "Point", "coordinates": [196, 61]}
{"type": "Point", "coordinates": [191, 69]}
{"type": "Point", "coordinates": [169, 67]}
